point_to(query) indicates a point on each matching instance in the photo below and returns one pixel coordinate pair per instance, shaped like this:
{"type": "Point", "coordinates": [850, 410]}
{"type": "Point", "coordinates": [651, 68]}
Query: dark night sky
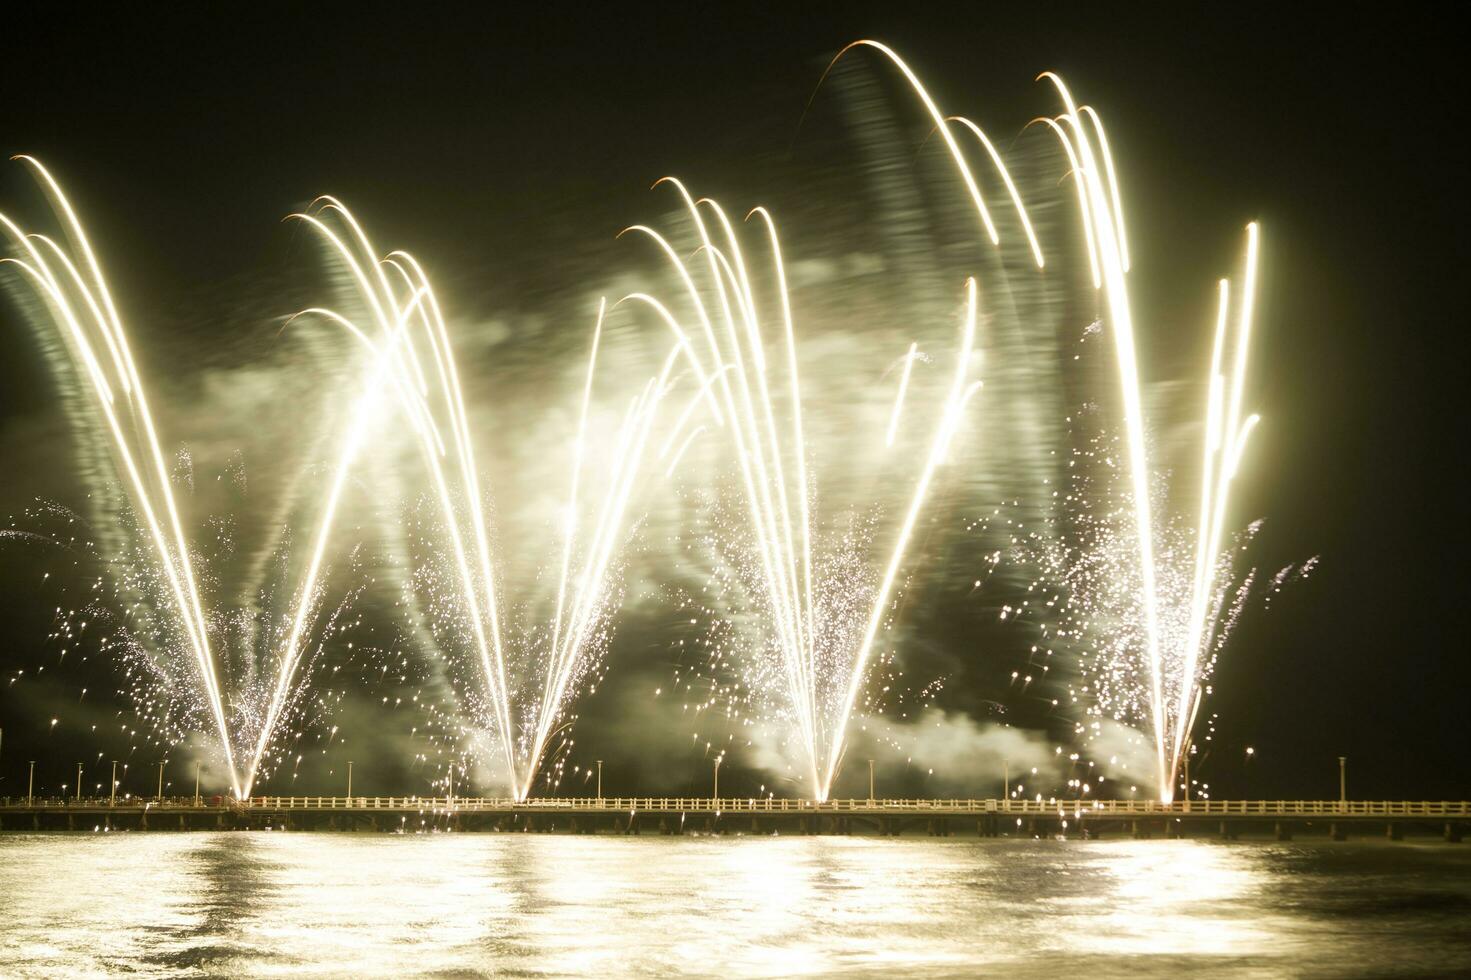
{"type": "Point", "coordinates": [180, 139]}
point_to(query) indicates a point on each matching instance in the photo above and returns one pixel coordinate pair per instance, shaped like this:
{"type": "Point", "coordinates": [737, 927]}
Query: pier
{"type": "Point", "coordinates": [1225, 819]}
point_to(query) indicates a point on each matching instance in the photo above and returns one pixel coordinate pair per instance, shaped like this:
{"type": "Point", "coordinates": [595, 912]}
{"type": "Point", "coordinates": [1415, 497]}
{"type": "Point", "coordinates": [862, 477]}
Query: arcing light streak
{"type": "Point", "coordinates": [781, 533]}
{"type": "Point", "coordinates": [102, 318]}
{"type": "Point", "coordinates": [963, 168]}
{"type": "Point", "coordinates": [437, 416]}
{"type": "Point", "coordinates": [1224, 443]}
{"type": "Point", "coordinates": [1109, 271]}
{"type": "Point", "coordinates": [115, 381]}
{"type": "Point", "coordinates": [401, 364]}
{"type": "Point", "coordinates": [899, 398]}
{"type": "Point", "coordinates": [1225, 437]}
{"type": "Point", "coordinates": [955, 402]}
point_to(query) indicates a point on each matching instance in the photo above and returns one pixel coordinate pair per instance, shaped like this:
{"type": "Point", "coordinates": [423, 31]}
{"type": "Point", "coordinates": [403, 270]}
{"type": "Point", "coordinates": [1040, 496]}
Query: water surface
{"type": "Point", "coordinates": [305, 904]}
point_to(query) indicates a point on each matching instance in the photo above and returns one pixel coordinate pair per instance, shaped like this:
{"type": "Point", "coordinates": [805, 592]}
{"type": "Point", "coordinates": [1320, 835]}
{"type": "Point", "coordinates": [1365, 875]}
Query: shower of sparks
{"type": "Point", "coordinates": [73, 288]}
{"type": "Point", "coordinates": [1143, 599]}
{"type": "Point", "coordinates": [1084, 599]}
{"type": "Point", "coordinates": [1173, 673]}
{"type": "Point", "coordinates": [411, 333]}
{"type": "Point", "coordinates": [740, 373]}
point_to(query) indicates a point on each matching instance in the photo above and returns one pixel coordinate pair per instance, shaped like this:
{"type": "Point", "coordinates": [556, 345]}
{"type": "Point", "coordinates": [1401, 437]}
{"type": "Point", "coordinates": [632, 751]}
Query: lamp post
{"type": "Point", "coordinates": [600, 780]}
{"type": "Point", "coordinates": [1246, 772]}
{"type": "Point", "coordinates": [31, 784]}
{"type": "Point", "coordinates": [196, 783]}
{"type": "Point", "coordinates": [715, 793]}
{"type": "Point", "coordinates": [160, 782]}
{"type": "Point", "coordinates": [112, 796]}
{"type": "Point", "coordinates": [1342, 779]}
{"type": "Point", "coordinates": [1006, 779]}
{"type": "Point", "coordinates": [349, 781]}
{"type": "Point", "coordinates": [870, 780]}
{"type": "Point", "coordinates": [79, 782]}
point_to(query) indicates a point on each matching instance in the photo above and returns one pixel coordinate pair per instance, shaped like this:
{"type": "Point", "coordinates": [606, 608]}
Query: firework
{"type": "Point", "coordinates": [75, 291]}
{"type": "Point", "coordinates": [410, 333]}
{"type": "Point", "coordinates": [740, 371]}
{"type": "Point", "coordinates": [1080, 132]}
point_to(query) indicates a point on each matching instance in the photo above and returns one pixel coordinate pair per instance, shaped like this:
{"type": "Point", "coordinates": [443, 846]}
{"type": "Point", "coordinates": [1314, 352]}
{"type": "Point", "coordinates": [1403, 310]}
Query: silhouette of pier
{"type": "Point", "coordinates": [1228, 819]}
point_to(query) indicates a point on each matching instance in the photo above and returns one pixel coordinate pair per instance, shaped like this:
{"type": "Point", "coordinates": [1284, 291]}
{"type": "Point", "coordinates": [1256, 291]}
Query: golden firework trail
{"type": "Point", "coordinates": [735, 363]}
{"type": "Point", "coordinates": [408, 331]}
{"type": "Point", "coordinates": [738, 371]}
{"type": "Point", "coordinates": [412, 332]}
{"type": "Point", "coordinates": [1080, 132]}
{"type": "Point", "coordinates": [85, 312]}
{"type": "Point", "coordinates": [71, 284]}
{"type": "Point", "coordinates": [737, 374]}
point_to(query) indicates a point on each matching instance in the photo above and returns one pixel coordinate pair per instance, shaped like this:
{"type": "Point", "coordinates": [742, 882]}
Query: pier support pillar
{"type": "Point", "coordinates": [1227, 831]}
{"type": "Point", "coordinates": [1452, 834]}
{"type": "Point", "coordinates": [71, 823]}
{"type": "Point", "coordinates": [1394, 832]}
{"type": "Point", "coordinates": [1338, 831]}
{"type": "Point", "coordinates": [1140, 830]}
{"type": "Point", "coordinates": [1284, 830]}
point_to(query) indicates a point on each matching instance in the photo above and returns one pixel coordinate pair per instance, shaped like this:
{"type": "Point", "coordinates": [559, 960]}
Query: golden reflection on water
{"type": "Point", "coordinates": [269, 904]}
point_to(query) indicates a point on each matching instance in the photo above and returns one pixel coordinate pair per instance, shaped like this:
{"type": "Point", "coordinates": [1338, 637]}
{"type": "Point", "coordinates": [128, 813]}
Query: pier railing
{"type": "Point", "coordinates": [1079, 809]}
{"type": "Point", "coordinates": [760, 805]}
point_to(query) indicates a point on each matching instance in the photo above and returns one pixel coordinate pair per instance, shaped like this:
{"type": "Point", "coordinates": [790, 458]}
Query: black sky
{"type": "Point", "coordinates": [179, 137]}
